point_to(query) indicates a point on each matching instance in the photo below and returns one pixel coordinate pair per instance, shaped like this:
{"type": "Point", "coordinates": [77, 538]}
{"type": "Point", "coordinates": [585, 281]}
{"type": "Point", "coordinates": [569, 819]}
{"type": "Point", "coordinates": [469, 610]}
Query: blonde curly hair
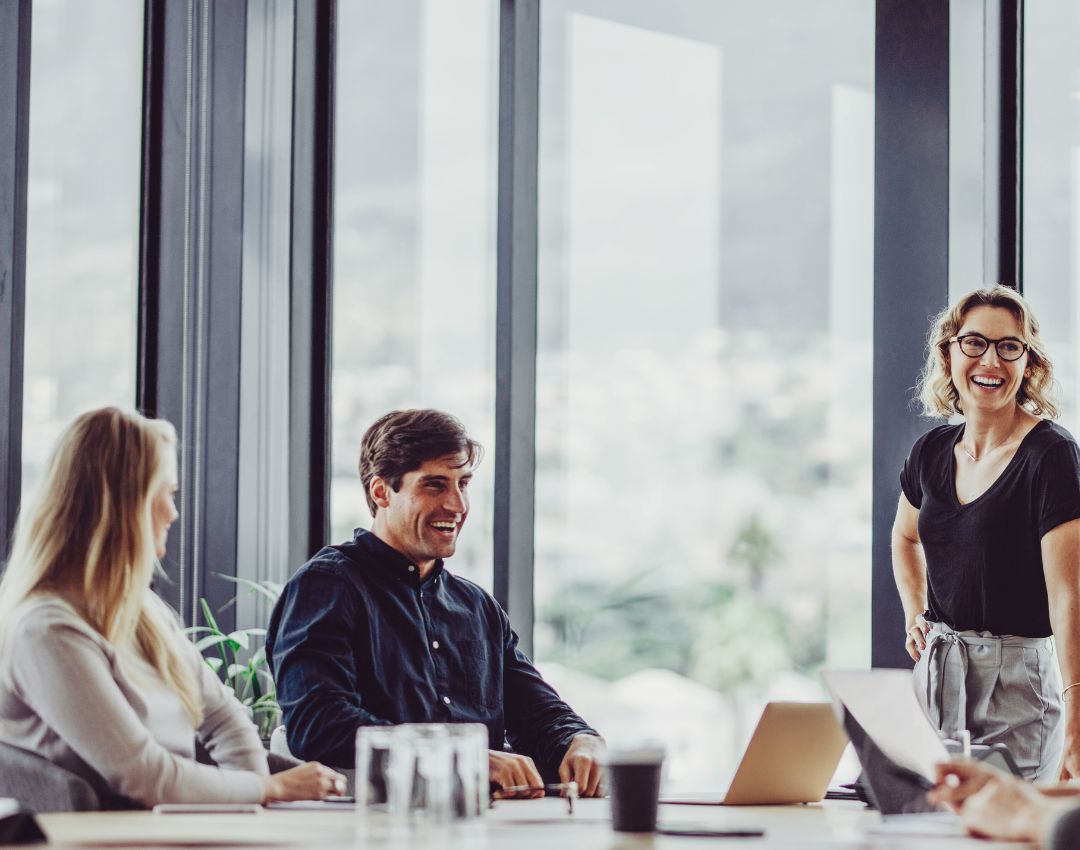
{"type": "Point", "coordinates": [936, 391]}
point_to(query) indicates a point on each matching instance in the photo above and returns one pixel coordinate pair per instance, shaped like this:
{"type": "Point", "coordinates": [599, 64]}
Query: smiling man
{"type": "Point", "coordinates": [378, 631]}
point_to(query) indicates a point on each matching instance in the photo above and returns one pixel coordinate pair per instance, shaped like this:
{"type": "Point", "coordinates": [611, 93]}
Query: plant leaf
{"type": "Point", "coordinates": [240, 638]}
{"type": "Point", "coordinates": [208, 616]}
{"type": "Point", "coordinates": [237, 671]}
{"type": "Point", "coordinates": [270, 589]}
{"type": "Point", "coordinates": [209, 641]}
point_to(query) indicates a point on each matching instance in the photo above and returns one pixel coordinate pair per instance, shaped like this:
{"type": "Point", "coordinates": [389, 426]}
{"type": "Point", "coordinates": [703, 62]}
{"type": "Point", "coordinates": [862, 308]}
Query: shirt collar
{"type": "Point", "coordinates": [392, 562]}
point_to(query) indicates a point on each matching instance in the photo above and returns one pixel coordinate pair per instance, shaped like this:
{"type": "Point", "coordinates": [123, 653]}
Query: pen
{"type": "Point", "coordinates": [965, 742]}
{"type": "Point", "coordinates": [554, 786]}
{"type": "Point", "coordinates": [563, 789]}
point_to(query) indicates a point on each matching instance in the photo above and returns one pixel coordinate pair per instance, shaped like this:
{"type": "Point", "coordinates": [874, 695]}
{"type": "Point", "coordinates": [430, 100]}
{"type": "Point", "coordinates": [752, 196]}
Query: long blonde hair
{"type": "Point", "coordinates": [88, 534]}
{"type": "Point", "coordinates": [935, 389]}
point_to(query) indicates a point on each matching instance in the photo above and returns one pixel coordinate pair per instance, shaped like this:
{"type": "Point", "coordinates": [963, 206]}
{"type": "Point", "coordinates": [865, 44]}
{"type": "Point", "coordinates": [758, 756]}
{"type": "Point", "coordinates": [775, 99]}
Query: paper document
{"type": "Point", "coordinates": [884, 704]}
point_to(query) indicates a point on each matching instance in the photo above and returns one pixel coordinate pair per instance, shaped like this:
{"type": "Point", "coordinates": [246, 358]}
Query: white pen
{"type": "Point", "coordinates": [965, 743]}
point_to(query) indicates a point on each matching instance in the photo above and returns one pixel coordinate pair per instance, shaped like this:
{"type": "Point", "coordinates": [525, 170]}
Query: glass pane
{"type": "Point", "coordinates": [704, 379]}
{"type": "Point", "coordinates": [414, 237]}
{"type": "Point", "coordinates": [1052, 187]}
{"type": "Point", "coordinates": [83, 215]}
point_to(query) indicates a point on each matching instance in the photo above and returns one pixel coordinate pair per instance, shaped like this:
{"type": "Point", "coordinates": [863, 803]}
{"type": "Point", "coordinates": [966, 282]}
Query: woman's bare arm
{"type": "Point", "coordinates": [909, 571]}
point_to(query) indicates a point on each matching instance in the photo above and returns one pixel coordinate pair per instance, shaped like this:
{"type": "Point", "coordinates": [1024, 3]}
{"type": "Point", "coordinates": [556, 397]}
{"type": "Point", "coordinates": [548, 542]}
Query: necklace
{"type": "Point", "coordinates": [996, 445]}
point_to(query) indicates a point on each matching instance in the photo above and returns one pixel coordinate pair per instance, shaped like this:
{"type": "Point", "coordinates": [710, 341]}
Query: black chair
{"type": "Point", "coordinates": [42, 786]}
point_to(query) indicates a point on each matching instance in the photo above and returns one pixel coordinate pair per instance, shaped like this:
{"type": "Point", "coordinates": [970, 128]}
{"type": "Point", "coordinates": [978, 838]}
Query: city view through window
{"type": "Point", "coordinates": [704, 367]}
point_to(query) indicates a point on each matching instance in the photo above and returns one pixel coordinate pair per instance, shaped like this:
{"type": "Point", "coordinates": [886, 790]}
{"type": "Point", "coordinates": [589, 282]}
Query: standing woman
{"type": "Point", "coordinates": [986, 541]}
{"type": "Point", "coordinates": [95, 674]}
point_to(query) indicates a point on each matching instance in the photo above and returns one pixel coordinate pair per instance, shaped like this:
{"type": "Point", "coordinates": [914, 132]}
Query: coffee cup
{"type": "Point", "coordinates": [633, 778]}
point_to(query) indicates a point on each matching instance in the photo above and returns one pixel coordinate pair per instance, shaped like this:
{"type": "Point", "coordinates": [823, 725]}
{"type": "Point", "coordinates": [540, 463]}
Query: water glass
{"type": "Point", "coordinates": [469, 781]}
{"type": "Point", "coordinates": [373, 748]}
{"type": "Point", "coordinates": [420, 775]}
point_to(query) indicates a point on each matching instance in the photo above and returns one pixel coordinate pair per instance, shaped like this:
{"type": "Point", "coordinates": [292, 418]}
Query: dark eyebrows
{"type": "Point", "coordinates": [424, 479]}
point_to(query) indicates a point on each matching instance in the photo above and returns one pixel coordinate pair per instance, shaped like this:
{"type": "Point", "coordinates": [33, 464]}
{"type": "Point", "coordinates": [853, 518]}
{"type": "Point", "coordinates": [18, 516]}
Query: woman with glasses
{"type": "Point", "coordinates": [95, 674]}
{"type": "Point", "coordinates": [986, 541]}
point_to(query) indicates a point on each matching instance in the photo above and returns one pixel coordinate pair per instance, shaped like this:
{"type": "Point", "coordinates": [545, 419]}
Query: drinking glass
{"type": "Point", "coordinates": [420, 775]}
{"type": "Point", "coordinates": [469, 779]}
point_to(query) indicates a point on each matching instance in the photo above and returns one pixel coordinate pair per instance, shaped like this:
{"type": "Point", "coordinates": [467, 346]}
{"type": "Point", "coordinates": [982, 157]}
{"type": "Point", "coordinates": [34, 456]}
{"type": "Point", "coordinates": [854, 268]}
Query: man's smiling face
{"type": "Point", "coordinates": [423, 517]}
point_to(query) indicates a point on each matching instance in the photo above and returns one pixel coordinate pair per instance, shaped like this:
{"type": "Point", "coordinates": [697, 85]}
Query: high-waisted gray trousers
{"type": "Point", "coordinates": [1003, 690]}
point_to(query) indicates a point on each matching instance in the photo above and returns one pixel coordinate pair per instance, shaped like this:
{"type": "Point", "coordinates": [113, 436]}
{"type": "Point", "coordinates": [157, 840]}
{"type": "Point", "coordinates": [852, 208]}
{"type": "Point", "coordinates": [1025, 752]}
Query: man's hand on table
{"type": "Point", "coordinates": [582, 764]}
{"type": "Point", "coordinates": [509, 770]}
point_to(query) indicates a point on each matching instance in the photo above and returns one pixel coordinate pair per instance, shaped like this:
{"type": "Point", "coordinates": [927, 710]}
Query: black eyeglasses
{"type": "Point", "coordinates": [975, 345]}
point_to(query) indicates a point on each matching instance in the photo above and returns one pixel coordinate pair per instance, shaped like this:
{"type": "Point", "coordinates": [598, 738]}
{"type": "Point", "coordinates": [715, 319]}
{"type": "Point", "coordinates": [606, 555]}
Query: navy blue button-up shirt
{"type": "Point", "coordinates": [358, 639]}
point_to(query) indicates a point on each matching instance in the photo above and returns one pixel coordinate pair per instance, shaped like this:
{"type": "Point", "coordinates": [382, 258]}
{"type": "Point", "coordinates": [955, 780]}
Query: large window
{"type": "Point", "coordinates": [414, 233]}
{"type": "Point", "coordinates": [1051, 171]}
{"type": "Point", "coordinates": [82, 215]}
{"type": "Point", "coordinates": [704, 374]}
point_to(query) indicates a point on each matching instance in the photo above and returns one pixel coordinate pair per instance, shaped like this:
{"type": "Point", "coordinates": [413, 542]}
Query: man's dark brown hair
{"type": "Point", "coordinates": [403, 440]}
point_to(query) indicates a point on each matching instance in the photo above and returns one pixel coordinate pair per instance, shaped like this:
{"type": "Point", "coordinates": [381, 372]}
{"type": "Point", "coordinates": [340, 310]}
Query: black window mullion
{"type": "Point", "coordinates": [516, 302]}
{"type": "Point", "coordinates": [191, 255]}
{"type": "Point", "coordinates": [911, 263]}
{"type": "Point", "coordinates": [311, 276]}
{"type": "Point", "coordinates": [1003, 141]}
{"type": "Point", "coordinates": [15, 16]}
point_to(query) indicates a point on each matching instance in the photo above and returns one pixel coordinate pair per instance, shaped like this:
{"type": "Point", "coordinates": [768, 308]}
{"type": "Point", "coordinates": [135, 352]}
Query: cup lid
{"type": "Point", "coordinates": [645, 754]}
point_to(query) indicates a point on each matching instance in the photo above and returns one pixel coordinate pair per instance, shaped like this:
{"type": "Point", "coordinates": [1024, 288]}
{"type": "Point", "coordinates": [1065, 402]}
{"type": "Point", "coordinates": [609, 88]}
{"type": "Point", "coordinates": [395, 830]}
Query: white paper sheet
{"type": "Point", "coordinates": [884, 703]}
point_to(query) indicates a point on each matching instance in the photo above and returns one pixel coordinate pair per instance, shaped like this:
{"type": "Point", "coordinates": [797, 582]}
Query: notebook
{"type": "Point", "coordinates": [791, 756]}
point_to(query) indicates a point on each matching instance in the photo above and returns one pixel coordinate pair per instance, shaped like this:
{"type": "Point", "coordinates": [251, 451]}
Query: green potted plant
{"type": "Point", "coordinates": [239, 657]}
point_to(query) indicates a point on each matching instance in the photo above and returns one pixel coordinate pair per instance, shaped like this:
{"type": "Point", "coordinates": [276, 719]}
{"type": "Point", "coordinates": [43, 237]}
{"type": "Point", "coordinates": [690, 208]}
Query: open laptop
{"type": "Point", "coordinates": [897, 747]}
{"type": "Point", "coordinates": [791, 757]}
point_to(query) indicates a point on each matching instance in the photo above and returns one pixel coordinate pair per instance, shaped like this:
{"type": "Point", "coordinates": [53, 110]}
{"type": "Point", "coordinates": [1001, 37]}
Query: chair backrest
{"type": "Point", "coordinates": [279, 744]}
{"type": "Point", "coordinates": [42, 786]}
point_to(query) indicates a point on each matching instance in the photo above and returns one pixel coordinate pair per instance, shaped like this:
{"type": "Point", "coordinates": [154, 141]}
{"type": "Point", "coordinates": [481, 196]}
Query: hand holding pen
{"type": "Point", "coordinates": [569, 790]}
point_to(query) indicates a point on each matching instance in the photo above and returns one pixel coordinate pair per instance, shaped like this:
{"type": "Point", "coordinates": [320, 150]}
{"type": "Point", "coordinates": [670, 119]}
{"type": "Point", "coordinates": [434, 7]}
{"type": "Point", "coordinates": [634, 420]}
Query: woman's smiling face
{"type": "Point", "coordinates": [987, 383]}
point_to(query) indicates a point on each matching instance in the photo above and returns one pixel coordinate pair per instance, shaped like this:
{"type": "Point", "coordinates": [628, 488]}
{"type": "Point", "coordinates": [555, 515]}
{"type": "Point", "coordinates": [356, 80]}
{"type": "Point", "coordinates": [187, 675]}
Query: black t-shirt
{"type": "Point", "coordinates": [983, 559]}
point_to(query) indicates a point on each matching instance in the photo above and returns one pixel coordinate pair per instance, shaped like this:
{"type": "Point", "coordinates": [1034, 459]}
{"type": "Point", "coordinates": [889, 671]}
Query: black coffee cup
{"type": "Point", "coordinates": [633, 778]}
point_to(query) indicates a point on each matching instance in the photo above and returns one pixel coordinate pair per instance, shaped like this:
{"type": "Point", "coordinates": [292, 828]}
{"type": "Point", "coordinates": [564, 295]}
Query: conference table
{"type": "Point", "coordinates": [511, 824]}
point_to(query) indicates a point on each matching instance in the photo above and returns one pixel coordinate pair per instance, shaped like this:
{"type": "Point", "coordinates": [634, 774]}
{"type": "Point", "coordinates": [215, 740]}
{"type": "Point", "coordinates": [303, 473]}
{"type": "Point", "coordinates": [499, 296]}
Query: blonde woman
{"type": "Point", "coordinates": [986, 541]}
{"type": "Point", "coordinates": [95, 674]}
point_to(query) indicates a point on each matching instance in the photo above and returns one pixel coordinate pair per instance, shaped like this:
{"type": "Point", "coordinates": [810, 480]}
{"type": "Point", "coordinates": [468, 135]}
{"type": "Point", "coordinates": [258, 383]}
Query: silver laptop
{"type": "Point", "coordinates": [791, 757]}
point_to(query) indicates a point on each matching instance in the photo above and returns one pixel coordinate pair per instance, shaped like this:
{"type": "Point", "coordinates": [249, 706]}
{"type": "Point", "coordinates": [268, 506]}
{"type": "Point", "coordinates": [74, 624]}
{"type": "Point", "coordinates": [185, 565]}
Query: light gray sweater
{"type": "Point", "coordinates": [69, 695]}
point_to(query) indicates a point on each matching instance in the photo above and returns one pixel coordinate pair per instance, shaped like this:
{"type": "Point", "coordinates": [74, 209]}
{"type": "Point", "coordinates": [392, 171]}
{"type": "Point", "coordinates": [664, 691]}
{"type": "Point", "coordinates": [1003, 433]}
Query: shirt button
{"type": "Point", "coordinates": [412, 569]}
{"type": "Point", "coordinates": [434, 644]}
{"type": "Point", "coordinates": [446, 700]}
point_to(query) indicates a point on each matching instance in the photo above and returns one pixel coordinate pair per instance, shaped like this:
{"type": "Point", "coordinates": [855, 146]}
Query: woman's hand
{"type": "Point", "coordinates": [915, 643]}
{"type": "Point", "coordinates": [1070, 759]}
{"type": "Point", "coordinates": [311, 781]}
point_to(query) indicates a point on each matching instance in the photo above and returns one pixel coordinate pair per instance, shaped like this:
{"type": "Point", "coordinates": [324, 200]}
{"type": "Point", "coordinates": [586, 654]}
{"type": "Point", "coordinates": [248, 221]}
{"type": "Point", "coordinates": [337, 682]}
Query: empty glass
{"type": "Point", "coordinates": [420, 774]}
{"type": "Point", "coordinates": [373, 746]}
{"type": "Point", "coordinates": [469, 785]}
{"type": "Point", "coordinates": [416, 775]}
